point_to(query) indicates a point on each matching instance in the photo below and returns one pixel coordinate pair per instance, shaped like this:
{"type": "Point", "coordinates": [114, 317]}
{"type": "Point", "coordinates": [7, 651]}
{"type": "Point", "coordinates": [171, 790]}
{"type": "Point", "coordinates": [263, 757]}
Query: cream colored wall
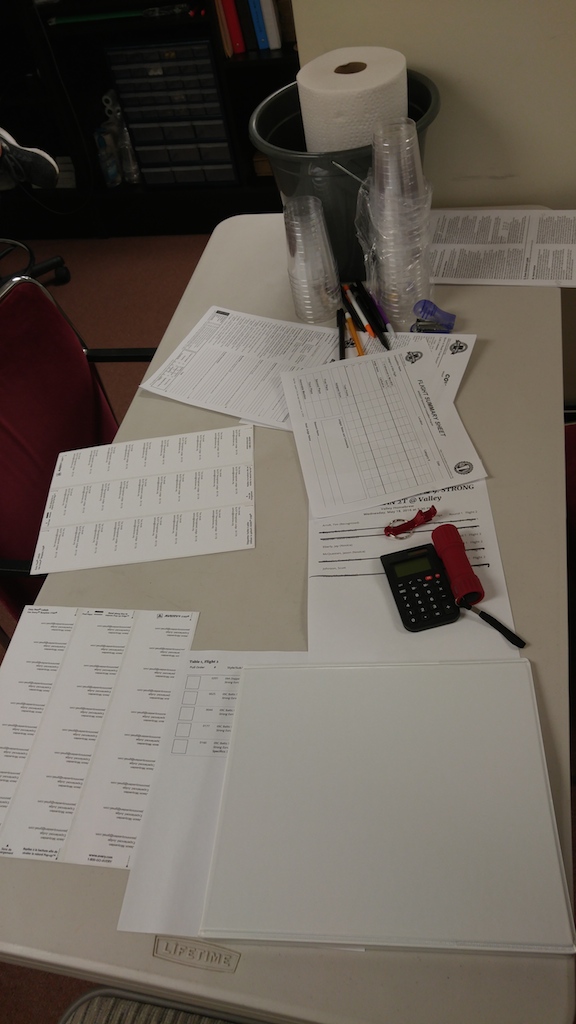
{"type": "Point", "coordinates": [506, 71]}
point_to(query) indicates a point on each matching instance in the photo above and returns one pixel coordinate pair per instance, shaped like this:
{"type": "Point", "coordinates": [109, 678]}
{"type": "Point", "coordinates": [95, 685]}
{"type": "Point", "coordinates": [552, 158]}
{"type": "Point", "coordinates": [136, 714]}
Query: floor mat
{"type": "Point", "coordinates": [109, 1007]}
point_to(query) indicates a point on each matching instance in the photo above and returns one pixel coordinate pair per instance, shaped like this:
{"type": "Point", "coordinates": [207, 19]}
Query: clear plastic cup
{"type": "Point", "coordinates": [396, 159]}
{"type": "Point", "coordinates": [400, 200]}
{"type": "Point", "coordinates": [312, 268]}
{"type": "Point", "coordinates": [403, 279]}
{"type": "Point", "coordinates": [402, 222]}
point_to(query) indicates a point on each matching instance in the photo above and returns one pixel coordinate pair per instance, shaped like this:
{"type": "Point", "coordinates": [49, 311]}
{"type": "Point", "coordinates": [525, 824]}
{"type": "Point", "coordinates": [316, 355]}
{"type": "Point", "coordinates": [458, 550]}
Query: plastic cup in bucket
{"type": "Point", "coordinates": [276, 130]}
{"type": "Point", "coordinates": [311, 265]}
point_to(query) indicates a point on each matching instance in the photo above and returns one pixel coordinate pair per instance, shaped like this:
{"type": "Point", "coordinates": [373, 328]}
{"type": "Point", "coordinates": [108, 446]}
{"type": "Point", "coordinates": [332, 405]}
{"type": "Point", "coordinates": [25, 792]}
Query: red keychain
{"type": "Point", "coordinates": [401, 529]}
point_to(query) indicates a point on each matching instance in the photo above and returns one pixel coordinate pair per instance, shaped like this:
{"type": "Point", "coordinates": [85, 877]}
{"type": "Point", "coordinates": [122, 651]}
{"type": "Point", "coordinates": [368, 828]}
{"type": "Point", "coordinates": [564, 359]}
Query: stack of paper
{"type": "Point", "coordinates": [387, 805]}
{"type": "Point", "coordinates": [375, 429]}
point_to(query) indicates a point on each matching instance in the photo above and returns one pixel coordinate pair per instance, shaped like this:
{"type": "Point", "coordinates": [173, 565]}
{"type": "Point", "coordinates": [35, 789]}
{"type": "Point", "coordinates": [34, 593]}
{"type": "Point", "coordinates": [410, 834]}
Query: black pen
{"type": "Point", "coordinates": [366, 302]}
{"type": "Point", "coordinates": [351, 311]}
{"type": "Point", "coordinates": [341, 321]}
{"type": "Point", "coordinates": [381, 313]}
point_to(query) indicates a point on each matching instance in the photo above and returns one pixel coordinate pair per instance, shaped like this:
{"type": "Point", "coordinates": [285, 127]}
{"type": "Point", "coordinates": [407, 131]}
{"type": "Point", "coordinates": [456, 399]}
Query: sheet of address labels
{"type": "Point", "coordinates": [84, 697]}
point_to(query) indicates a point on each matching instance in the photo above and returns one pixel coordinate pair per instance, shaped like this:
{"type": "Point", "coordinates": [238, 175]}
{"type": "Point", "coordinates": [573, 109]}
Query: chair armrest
{"type": "Point", "coordinates": [20, 566]}
{"type": "Point", "coordinates": [120, 355]}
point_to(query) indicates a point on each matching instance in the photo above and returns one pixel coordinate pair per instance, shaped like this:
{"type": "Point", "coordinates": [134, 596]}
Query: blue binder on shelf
{"type": "Point", "coordinates": [259, 25]}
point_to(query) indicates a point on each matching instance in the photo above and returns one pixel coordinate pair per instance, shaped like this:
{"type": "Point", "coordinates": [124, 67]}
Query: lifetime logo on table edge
{"type": "Point", "coordinates": [203, 955]}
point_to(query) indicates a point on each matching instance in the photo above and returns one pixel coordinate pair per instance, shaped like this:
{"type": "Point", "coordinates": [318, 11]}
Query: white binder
{"type": "Point", "coordinates": [389, 805]}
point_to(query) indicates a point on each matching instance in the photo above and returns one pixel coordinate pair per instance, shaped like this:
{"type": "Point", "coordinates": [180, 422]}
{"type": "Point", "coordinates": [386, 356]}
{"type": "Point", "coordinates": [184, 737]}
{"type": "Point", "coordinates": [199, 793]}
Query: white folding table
{"type": "Point", "coordinates": [63, 917]}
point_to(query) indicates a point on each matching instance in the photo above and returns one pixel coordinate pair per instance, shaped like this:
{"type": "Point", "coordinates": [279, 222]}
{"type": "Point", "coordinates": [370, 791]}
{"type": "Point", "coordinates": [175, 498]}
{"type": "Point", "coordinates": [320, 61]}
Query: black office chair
{"type": "Point", "coordinates": [51, 400]}
{"type": "Point", "coordinates": [30, 268]}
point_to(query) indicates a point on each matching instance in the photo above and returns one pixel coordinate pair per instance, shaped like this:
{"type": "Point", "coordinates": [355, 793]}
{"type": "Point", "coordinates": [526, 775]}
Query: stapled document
{"type": "Point", "coordinates": [525, 247]}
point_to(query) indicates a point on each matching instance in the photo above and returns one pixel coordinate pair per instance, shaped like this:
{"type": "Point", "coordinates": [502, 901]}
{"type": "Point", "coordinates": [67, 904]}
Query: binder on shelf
{"type": "Point", "coordinates": [400, 805]}
{"type": "Point", "coordinates": [286, 19]}
{"type": "Point", "coordinates": [224, 31]}
{"type": "Point", "coordinates": [247, 25]}
{"type": "Point", "coordinates": [272, 24]}
{"type": "Point", "coordinates": [234, 27]}
{"type": "Point", "coordinates": [259, 25]}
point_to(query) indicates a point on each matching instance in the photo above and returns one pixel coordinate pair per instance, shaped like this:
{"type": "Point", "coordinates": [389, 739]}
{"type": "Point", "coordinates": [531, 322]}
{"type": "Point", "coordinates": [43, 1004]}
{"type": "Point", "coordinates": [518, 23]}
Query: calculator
{"type": "Point", "coordinates": [420, 587]}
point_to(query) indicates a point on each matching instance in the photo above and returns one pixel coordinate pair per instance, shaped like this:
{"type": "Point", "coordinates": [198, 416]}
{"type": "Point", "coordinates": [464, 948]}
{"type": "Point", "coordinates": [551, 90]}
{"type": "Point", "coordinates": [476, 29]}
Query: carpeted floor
{"type": "Point", "coordinates": [122, 293]}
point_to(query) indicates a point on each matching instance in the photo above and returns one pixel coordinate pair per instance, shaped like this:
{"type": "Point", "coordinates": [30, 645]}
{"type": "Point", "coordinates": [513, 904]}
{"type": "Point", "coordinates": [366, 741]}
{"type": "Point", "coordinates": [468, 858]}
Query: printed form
{"type": "Point", "coordinates": [532, 247]}
{"type": "Point", "coordinates": [185, 797]}
{"type": "Point", "coordinates": [84, 696]}
{"type": "Point", "coordinates": [376, 429]}
{"type": "Point", "coordinates": [140, 501]}
{"type": "Point", "coordinates": [352, 616]}
{"type": "Point", "coordinates": [231, 363]}
{"type": "Point", "coordinates": [451, 353]}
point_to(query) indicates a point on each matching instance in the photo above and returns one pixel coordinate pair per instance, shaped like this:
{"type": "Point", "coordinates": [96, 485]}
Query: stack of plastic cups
{"type": "Point", "coordinates": [311, 265]}
{"type": "Point", "coordinates": [400, 202]}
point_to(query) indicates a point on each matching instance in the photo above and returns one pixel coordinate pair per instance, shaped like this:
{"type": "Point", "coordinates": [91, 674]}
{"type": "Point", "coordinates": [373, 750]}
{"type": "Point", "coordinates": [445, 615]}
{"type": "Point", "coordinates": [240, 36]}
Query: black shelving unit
{"type": "Point", "coordinates": [185, 103]}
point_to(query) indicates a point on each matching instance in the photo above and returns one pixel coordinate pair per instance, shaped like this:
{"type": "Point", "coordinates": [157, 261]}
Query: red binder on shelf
{"type": "Point", "coordinates": [233, 23]}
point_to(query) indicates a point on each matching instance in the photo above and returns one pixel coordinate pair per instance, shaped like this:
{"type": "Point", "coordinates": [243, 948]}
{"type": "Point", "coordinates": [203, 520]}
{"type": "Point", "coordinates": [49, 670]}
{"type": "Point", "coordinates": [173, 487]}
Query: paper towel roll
{"type": "Point", "coordinates": [343, 93]}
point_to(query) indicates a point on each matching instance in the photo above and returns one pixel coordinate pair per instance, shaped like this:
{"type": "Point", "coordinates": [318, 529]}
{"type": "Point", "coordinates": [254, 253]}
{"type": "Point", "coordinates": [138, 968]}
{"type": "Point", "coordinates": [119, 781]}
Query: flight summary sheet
{"type": "Point", "coordinates": [372, 430]}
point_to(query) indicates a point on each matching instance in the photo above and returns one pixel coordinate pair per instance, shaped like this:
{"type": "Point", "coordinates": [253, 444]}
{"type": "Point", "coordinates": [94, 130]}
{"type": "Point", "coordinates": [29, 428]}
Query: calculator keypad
{"type": "Point", "coordinates": [425, 601]}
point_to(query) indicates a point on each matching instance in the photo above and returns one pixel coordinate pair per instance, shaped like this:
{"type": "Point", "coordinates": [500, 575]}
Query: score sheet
{"type": "Point", "coordinates": [351, 612]}
{"type": "Point", "coordinates": [166, 894]}
{"type": "Point", "coordinates": [231, 362]}
{"type": "Point", "coordinates": [376, 429]}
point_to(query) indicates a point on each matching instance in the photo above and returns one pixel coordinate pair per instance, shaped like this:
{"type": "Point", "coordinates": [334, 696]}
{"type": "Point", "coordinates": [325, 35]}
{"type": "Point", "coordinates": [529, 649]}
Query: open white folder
{"type": "Point", "coordinates": [389, 805]}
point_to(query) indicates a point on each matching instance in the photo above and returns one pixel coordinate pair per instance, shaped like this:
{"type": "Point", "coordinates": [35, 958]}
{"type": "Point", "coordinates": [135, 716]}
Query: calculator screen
{"type": "Point", "coordinates": [412, 565]}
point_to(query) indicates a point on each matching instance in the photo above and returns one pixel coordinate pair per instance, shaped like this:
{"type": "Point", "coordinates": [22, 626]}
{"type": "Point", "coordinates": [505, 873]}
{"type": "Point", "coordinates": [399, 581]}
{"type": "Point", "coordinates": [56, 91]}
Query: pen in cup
{"type": "Point", "coordinates": [352, 330]}
{"type": "Point", "coordinates": [382, 313]}
{"type": "Point", "coordinates": [371, 314]}
{"type": "Point", "coordinates": [360, 313]}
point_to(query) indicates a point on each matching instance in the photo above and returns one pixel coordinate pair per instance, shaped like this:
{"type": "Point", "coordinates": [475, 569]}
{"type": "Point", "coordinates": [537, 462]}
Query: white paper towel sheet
{"type": "Point", "coordinates": [343, 94]}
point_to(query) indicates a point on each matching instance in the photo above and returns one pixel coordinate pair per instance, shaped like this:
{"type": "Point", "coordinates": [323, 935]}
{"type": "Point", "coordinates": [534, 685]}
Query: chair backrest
{"type": "Point", "coordinates": [51, 401]}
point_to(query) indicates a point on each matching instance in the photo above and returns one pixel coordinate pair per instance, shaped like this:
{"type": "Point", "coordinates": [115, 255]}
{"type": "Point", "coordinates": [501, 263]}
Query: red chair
{"type": "Point", "coordinates": [51, 400]}
{"type": "Point", "coordinates": [570, 455]}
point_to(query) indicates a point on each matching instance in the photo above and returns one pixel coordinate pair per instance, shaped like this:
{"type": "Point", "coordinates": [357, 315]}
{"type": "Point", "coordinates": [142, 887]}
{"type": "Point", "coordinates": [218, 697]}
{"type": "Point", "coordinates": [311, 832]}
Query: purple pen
{"type": "Point", "coordinates": [389, 329]}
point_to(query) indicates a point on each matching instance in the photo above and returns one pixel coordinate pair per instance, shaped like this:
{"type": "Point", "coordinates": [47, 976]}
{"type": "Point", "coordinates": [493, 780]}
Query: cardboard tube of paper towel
{"type": "Point", "coordinates": [345, 92]}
